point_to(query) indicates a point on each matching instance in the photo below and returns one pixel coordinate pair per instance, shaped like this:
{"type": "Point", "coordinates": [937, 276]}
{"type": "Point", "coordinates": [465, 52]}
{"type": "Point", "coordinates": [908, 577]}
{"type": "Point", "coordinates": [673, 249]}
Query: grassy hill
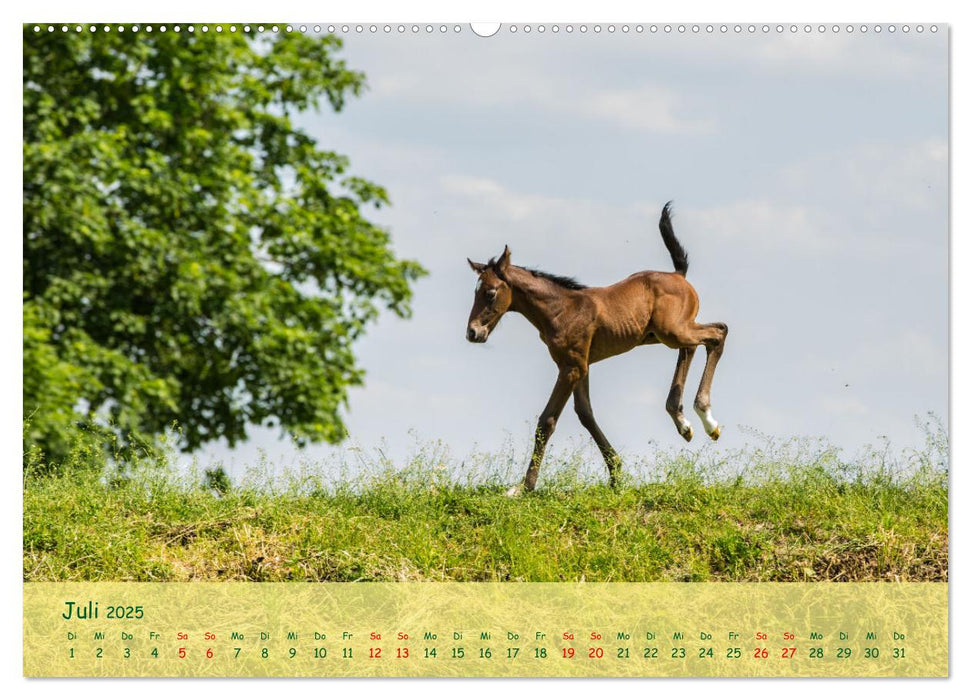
{"type": "Point", "coordinates": [775, 517]}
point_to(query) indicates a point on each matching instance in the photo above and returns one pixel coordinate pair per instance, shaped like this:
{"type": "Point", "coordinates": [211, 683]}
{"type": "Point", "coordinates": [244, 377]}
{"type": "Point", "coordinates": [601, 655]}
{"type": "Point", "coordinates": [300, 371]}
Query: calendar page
{"type": "Point", "coordinates": [485, 350]}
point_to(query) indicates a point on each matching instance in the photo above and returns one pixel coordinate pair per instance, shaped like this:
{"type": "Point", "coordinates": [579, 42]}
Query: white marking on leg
{"type": "Point", "coordinates": [709, 421]}
{"type": "Point", "coordinates": [681, 423]}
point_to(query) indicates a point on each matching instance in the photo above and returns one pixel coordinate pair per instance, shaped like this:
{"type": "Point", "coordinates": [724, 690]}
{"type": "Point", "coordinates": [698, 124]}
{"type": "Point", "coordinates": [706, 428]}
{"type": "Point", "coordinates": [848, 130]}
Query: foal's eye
{"type": "Point", "coordinates": [491, 294]}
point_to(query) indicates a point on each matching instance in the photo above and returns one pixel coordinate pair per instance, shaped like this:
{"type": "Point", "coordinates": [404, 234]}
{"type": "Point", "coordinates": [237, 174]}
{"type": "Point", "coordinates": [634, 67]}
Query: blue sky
{"type": "Point", "coordinates": [810, 180]}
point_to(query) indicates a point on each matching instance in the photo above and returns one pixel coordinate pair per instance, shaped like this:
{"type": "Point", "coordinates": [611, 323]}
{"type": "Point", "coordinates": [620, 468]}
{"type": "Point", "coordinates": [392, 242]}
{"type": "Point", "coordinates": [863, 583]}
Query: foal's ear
{"type": "Point", "coordinates": [476, 267]}
{"type": "Point", "coordinates": [502, 264]}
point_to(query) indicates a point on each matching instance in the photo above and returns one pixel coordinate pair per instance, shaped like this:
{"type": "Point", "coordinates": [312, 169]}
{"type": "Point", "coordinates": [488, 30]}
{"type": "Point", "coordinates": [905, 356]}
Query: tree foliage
{"type": "Point", "coordinates": [190, 255]}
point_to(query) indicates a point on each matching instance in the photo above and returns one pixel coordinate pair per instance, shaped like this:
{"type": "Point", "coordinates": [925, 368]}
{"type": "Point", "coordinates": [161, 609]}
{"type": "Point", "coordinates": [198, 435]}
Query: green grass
{"type": "Point", "coordinates": [789, 512]}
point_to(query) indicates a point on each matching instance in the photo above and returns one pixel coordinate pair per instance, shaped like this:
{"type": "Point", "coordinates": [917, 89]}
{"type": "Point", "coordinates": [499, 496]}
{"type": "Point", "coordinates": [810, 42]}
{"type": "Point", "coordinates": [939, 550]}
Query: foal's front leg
{"type": "Point", "coordinates": [581, 402]}
{"type": "Point", "coordinates": [565, 383]}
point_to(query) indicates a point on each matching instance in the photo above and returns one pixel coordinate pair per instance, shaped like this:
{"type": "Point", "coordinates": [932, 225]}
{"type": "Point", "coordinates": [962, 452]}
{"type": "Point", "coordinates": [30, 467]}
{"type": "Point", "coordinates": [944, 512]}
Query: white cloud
{"type": "Point", "coordinates": [853, 202]}
{"type": "Point", "coordinates": [765, 225]}
{"type": "Point", "coordinates": [901, 57]}
{"type": "Point", "coordinates": [896, 58]}
{"type": "Point", "coordinates": [473, 186]}
{"type": "Point", "coordinates": [653, 109]}
{"type": "Point", "coordinates": [650, 107]}
{"type": "Point", "coordinates": [554, 233]}
{"type": "Point", "coordinates": [884, 176]}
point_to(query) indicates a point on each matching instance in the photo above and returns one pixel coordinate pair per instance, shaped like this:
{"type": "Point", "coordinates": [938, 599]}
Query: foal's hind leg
{"type": "Point", "coordinates": [688, 337]}
{"type": "Point", "coordinates": [581, 403]}
{"type": "Point", "coordinates": [675, 409]}
{"type": "Point", "coordinates": [714, 343]}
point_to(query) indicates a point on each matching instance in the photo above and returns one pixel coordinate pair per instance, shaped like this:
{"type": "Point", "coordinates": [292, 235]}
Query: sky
{"type": "Point", "coordinates": [809, 174]}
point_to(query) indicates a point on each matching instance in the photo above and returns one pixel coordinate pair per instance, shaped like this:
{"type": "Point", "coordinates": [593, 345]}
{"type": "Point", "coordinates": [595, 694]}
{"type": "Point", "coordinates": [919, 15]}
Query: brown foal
{"type": "Point", "coordinates": [582, 325]}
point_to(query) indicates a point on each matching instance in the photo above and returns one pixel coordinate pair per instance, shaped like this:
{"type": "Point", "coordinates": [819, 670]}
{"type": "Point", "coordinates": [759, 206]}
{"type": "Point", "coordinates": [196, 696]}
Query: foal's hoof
{"type": "Point", "coordinates": [687, 434]}
{"type": "Point", "coordinates": [515, 492]}
{"type": "Point", "coordinates": [716, 433]}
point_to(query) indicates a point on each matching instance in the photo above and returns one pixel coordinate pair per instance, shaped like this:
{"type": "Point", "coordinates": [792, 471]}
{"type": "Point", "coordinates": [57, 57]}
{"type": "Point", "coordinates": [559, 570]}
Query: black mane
{"type": "Point", "coordinates": [560, 280]}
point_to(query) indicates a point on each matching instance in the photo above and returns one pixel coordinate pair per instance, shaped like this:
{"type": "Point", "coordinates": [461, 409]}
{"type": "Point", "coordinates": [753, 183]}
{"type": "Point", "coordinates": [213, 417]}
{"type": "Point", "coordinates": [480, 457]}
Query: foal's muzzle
{"type": "Point", "coordinates": [476, 335]}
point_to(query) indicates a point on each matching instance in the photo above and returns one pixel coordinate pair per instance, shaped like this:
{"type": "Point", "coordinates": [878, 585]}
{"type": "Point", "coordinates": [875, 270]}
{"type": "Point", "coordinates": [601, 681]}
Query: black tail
{"type": "Point", "coordinates": [678, 254]}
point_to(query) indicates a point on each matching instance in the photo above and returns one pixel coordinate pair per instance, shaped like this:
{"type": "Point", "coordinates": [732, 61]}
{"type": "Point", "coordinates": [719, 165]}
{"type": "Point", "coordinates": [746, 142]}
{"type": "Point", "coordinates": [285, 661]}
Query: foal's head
{"type": "Point", "coordinates": [493, 296]}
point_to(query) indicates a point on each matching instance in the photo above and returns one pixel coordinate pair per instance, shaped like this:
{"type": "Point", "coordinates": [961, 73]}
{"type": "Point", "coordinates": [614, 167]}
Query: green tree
{"type": "Point", "coordinates": [190, 255]}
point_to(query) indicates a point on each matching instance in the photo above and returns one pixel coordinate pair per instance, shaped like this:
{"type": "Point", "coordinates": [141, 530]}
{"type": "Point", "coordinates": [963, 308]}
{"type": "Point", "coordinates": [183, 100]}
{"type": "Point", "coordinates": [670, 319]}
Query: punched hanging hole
{"type": "Point", "coordinates": [485, 29]}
